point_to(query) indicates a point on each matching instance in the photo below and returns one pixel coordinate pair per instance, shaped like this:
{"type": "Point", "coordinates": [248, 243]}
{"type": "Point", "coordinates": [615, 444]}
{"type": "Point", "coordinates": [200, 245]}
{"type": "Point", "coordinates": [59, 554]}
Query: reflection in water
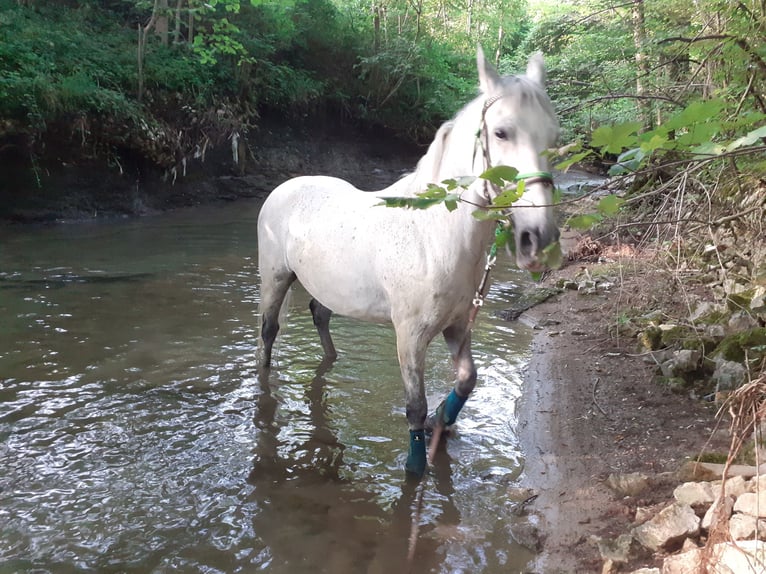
{"type": "Point", "coordinates": [137, 435]}
{"type": "Point", "coordinates": [342, 527]}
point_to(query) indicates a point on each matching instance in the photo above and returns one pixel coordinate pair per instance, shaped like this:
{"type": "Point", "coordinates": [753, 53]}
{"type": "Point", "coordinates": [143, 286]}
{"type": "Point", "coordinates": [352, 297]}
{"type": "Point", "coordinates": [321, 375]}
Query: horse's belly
{"type": "Point", "coordinates": [348, 296]}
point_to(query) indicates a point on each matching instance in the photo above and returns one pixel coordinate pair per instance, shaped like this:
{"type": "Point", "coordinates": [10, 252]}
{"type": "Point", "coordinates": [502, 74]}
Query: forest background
{"type": "Point", "coordinates": [157, 81]}
{"type": "Point", "coordinates": [667, 96]}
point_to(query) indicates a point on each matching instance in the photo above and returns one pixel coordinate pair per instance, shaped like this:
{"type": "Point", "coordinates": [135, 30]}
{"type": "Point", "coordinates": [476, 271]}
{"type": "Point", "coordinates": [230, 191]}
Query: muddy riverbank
{"type": "Point", "coordinates": [590, 409]}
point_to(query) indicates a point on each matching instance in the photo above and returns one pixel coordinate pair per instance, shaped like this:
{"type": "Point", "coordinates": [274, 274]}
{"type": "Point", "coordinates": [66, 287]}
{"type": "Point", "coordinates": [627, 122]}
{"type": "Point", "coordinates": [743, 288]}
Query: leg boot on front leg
{"type": "Point", "coordinates": [459, 342]}
{"type": "Point", "coordinates": [412, 362]}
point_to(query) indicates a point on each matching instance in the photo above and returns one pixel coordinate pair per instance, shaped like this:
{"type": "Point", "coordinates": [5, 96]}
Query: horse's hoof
{"type": "Point", "coordinates": [416, 460]}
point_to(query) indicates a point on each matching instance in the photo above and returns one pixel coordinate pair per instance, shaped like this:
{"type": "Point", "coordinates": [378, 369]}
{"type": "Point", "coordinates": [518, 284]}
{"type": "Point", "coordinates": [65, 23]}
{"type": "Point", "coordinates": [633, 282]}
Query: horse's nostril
{"type": "Point", "coordinates": [528, 242]}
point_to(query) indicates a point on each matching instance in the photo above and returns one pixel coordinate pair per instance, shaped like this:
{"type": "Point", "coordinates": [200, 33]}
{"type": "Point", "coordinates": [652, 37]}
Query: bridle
{"type": "Point", "coordinates": [482, 139]}
{"type": "Point", "coordinates": [490, 190]}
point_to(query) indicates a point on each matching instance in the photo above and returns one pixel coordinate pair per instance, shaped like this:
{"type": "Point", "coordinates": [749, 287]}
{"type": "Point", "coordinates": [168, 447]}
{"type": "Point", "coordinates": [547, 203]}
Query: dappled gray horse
{"type": "Point", "coordinates": [417, 269]}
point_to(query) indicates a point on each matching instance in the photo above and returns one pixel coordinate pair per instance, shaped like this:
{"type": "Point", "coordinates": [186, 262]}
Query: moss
{"type": "Point", "coordinates": [713, 457]}
{"type": "Point", "coordinates": [677, 333]}
{"type": "Point", "coordinates": [750, 343]}
{"type": "Point", "coordinates": [705, 345]}
{"type": "Point", "coordinates": [651, 338]}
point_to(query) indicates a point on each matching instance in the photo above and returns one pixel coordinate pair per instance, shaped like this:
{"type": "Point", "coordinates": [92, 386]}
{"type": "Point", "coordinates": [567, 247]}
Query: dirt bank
{"type": "Point", "coordinates": [590, 409]}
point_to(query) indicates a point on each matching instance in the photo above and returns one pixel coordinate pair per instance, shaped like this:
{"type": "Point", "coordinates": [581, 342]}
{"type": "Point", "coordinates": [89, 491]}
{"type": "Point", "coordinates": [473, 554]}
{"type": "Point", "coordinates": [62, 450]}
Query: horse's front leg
{"type": "Point", "coordinates": [458, 339]}
{"type": "Point", "coordinates": [412, 357]}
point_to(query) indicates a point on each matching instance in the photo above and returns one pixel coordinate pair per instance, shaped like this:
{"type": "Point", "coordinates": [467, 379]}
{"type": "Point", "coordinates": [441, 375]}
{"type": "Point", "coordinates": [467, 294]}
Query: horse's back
{"type": "Point", "coordinates": [322, 230]}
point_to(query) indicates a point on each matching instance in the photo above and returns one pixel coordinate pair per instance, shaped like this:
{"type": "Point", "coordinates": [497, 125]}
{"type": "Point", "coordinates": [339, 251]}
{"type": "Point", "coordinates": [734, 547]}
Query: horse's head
{"type": "Point", "coordinates": [518, 125]}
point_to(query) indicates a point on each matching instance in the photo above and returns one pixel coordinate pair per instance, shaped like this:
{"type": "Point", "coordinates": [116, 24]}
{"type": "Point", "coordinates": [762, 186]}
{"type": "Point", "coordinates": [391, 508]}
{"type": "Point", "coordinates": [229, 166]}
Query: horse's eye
{"type": "Point", "coordinates": [502, 134]}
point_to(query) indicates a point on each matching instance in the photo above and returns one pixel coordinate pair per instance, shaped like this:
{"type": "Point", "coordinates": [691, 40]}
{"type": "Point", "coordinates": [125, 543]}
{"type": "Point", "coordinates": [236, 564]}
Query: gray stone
{"type": "Point", "coordinates": [689, 562]}
{"type": "Point", "coordinates": [628, 484]}
{"type": "Point", "coordinates": [715, 332]}
{"type": "Point", "coordinates": [752, 503]}
{"type": "Point", "coordinates": [646, 571]}
{"type": "Point", "coordinates": [706, 309]}
{"type": "Point", "coordinates": [742, 526]}
{"type": "Point", "coordinates": [728, 375]}
{"type": "Point", "coordinates": [685, 361]}
{"type": "Point", "coordinates": [734, 486]}
{"type": "Point", "coordinates": [722, 508]}
{"type": "Point", "coordinates": [746, 557]}
{"type": "Point", "coordinates": [741, 321]}
{"type": "Point", "coordinates": [669, 528]}
{"type": "Point", "coordinates": [695, 494]}
{"type": "Point", "coordinates": [617, 550]}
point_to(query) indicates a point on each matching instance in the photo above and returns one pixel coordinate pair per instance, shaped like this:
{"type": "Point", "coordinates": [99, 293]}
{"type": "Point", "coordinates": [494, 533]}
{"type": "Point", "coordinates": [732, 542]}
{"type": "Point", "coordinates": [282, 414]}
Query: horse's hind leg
{"type": "Point", "coordinates": [273, 292]}
{"type": "Point", "coordinates": [321, 315]}
{"type": "Point", "coordinates": [458, 340]}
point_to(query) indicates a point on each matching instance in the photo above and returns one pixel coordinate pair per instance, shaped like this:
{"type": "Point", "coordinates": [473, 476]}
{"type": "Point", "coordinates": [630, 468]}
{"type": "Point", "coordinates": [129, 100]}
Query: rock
{"type": "Point", "coordinates": [728, 375]}
{"type": "Point", "coordinates": [726, 558]}
{"type": "Point", "coordinates": [528, 534]}
{"type": "Point", "coordinates": [692, 470]}
{"type": "Point", "coordinates": [741, 321]}
{"type": "Point", "coordinates": [688, 545]}
{"type": "Point", "coordinates": [659, 356]}
{"type": "Point", "coordinates": [669, 528]}
{"type": "Point", "coordinates": [694, 494]}
{"type": "Point", "coordinates": [706, 309]}
{"type": "Point", "coordinates": [751, 503]}
{"type": "Point", "coordinates": [734, 486]}
{"type": "Point", "coordinates": [742, 526]}
{"type": "Point", "coordinates": [745, 557]}
{"type": "Point", "coordinates": [628, 484]}
{"type": "Point", "coordinates": [689, 562]}
{"type": "Point", "coordinates": [715, 332]}
{"type": "Point", "coordinates": [758, 482]}
{"type": "Point", "coordinates": [643, 514]}
{"type": "Point", "coordinates": [646, 571]}
{"type": "Point", "coordinates": [686, 361]}
{"type": "Point", "coordinates": [723, 508]}
{"type": "Point", "coordinates": [617, 550]}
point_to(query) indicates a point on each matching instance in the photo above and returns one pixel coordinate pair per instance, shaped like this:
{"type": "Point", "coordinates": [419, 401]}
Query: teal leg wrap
{"type": "Point", "coordinates": [416, 461]}
{"type": "Point", "coordinates": [451, 408]}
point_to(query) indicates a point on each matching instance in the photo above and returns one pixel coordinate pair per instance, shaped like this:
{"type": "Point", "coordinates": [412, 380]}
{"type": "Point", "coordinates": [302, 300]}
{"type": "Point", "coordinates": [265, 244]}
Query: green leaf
{"type": "Point", "coordinates": [483, 215]}
{"type": "Point", "coordinates": [500, 174]}
{"type": "Point", "coordinates": [569, 162]}
{"type": "Point", "coordinates": [504, 236]}
{"type": "Point", "coordinates": [585, 221]}
{"type": "Point", "coordinates": [509, 196]}
{"type": "Point", "coordinates": [615, 138]}
{"type": "Point", "coordinates": [551, 256]}
{"type": "Point", "coordinates": [698, 112]}
{"type": "Point", "coordinates": [609, 205]}
{"type": "Point", "coordinates": [749, 139]}
{"type": "Point", "coordinates": [707, 149]}
{"type": "Point", "coordinates": [450, 201]}
{"type": "Point", "coordinates": [657, 141]}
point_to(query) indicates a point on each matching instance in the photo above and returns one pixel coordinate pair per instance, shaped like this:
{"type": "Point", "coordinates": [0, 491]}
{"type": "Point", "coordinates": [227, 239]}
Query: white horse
{"type": "Point", "coordinates": [417, 269]}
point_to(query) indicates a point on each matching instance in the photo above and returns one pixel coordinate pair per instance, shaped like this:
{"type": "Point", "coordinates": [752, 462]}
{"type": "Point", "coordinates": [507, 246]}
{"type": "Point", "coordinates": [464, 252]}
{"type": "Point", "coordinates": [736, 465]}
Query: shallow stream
{"type": "Point", "coordinates": [137, 436]}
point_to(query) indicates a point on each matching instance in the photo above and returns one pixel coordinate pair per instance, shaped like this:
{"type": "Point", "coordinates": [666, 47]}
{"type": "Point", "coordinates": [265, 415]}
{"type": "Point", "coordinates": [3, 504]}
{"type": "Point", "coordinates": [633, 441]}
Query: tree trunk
{"type": "Point", "coordinates": [642, 64]}
{"type": "Point", "coordinates": [177, 23]}
{"type": "Point", "coordinates": [161, 25]}
{"type": "Point", "coordinates": [376, 27]}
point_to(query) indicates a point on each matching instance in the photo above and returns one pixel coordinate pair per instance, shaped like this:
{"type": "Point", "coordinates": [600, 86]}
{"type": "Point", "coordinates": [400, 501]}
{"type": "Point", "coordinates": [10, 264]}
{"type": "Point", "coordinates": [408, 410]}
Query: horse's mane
{"type": "Point", "coordinates": [524, 92]}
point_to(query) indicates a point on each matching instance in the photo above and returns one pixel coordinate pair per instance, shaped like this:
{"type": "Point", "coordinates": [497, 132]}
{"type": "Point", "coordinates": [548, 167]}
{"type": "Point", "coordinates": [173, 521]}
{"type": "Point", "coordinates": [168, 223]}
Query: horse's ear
{"type": "Point", "coordinates": [488, 76]}
{"type": "Point", "coordinates": [536, 68]}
